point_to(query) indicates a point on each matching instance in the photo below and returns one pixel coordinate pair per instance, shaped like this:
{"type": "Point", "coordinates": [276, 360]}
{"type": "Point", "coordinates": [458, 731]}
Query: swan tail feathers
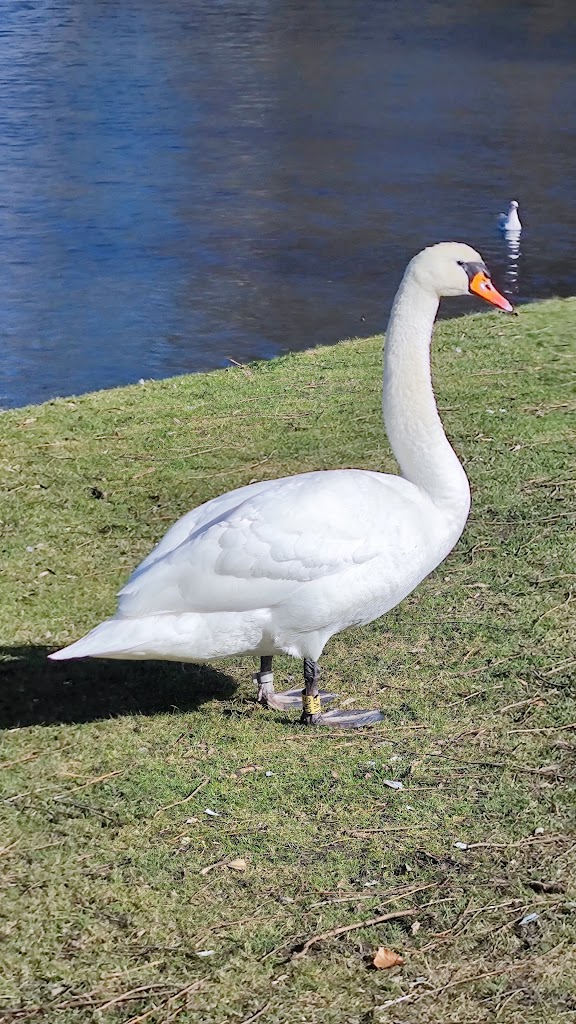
{"type": "Point", "coordinates": [119, 638]}
{"type": "Point", "coordinates": [180, 637]}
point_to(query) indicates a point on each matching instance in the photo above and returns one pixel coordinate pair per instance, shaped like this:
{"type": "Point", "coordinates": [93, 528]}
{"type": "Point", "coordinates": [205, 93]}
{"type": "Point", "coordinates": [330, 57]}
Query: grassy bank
{"type": "Point", "coordinates": [114, 877]}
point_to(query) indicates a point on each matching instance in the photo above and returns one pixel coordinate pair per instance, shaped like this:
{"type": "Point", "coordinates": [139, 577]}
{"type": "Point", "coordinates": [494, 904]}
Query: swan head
{"type": "Point", "coordinates": [453, 268]}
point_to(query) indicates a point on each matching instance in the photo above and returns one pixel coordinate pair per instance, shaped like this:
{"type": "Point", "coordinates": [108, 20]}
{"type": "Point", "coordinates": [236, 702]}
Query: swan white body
{"type": "Point", "coordinates": [282, 565]}
{"type": "Point", "coordinates": [276, 567]}
{"type": "Point", "coordinates": [510, 222]}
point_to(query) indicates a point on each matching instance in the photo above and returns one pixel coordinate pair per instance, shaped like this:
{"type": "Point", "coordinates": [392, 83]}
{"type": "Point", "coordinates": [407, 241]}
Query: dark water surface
{"type": "Point", "coordinates": [185, 181]}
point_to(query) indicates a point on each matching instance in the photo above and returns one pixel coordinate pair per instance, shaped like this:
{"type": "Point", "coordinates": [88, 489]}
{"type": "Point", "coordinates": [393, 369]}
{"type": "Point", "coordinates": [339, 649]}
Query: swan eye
{"type": "Point", "coordinates": [474, 268]}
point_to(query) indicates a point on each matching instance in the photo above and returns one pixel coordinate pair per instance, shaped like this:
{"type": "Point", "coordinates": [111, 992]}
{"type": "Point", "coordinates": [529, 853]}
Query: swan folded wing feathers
{"type": "Point", "coordinates": [197, 518]}
{"type": "Point", "coordinates": [258, 553]}
{"type": "Point", "coordinates": [236, 566]}
{"type": "Point", "coordinates": [216, 509]}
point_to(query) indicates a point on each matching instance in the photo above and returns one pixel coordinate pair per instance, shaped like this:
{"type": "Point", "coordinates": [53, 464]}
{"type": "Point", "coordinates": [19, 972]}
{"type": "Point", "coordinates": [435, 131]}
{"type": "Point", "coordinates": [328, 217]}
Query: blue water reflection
{"type": "Point", "coordinates": [185, 181]}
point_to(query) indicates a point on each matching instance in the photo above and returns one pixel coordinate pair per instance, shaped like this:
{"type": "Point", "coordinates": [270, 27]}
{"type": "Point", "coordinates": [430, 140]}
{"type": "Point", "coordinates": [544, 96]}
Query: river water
{"type": "Point", "coordinates": [182, 182]}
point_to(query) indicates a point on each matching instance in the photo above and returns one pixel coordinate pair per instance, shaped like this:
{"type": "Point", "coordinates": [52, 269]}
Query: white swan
{"type": "Point", "coordinates": [282, 565]}
{"type": "Point", "coordinates": [510, 222]}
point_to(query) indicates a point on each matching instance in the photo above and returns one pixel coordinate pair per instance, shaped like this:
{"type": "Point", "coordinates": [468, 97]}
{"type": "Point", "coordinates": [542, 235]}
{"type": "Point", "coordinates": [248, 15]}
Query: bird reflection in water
{"type": "Point", "coordinates": [511, 227]}
{"type": "Point", "coordinates": [513, 254]}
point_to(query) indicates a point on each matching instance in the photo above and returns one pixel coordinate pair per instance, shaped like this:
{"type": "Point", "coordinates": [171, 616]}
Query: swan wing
{"type": "Point", "coordinates": [198, 517]}
{"type": "Point", "coordinates": [289, 533]}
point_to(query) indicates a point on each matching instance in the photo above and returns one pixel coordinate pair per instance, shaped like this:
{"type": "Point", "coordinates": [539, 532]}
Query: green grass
{"type": "Point", "coordinates": [105, 896]}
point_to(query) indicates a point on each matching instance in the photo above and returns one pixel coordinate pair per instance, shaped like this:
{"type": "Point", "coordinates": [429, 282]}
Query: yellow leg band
{"type": "Point", "coordinates": [312, 705]}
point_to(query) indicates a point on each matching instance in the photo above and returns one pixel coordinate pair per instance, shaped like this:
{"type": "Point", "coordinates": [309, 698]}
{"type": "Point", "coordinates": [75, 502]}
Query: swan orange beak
{"type": "Point", "coordinates": [481, 285]}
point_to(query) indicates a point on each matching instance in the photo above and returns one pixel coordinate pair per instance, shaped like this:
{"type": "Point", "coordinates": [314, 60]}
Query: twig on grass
{"type": "Point", "coordinates": [487, 667]}
{"type": "Point", "coordinates": [519, 842]}
{"type": "Point", "coordinates": [556, 607]}
{"type": "Point", "coordinates": [193, 987]}
{"type": "Point", "coordinates": [414, 996]}
{"type": "Point", "coordinates": [519, 913]}
{"type": "Point", "coordinates": [241, 366]}
{"type": "Point", "coordinates": [462, 700]}
{"type": "Point", "coordinates": [91, 782]}
{"type": "Point", "coordinates": [254, 1016]}
{"type": "Point", "coordinates": [411, 728]}
{"type": "Point", "coordinates": [456, 737]}
{"type": "Point", "coordinates": [560, 668]}
{"type": "Point", "coordinates": [87, 807]}
{"type": "Point", "coordinates": [125, 997]}
{"type": "Point", "coordinates": [394, 686]}
{"type": "Point", "coordinates": [19, 760]}
{"type": "Point", "coordinates": [371, 894]}
{"type": "Point", "coordinates": [295, 943]}
{"type": "Point", "coordinates": [85, 1001]}
{"type": "Point", "coordinates": [360, 833]}
{"type": "Point", "coordinates": [185, 800]}
{"type": "Point", "coordinates": [549, 728]}
{"type": "Point", "coordinates": [508, 999]}
{"type": "Point", "coordinates": [460, 925]}
{"type": "Point", "coordinates": [459, 919]}
{"type": "Point", "coordinates": [545, 770]}
{"type": "Point", "coordinates": [352, 927]}
{"type": "Point", "coordinates": [62, 796]}
{"type": "Point", "coordinates": [6, 849]}
{"type": "Point", "coordinates": [522, 703]}
{"type": "Point", "coordinates": [28, 849]}
{"type": "Point", "coordinates": [210, 867]}
{"type": "Point", "coordinates": [365, 924]}
{"type": "Point", "coordinates": [254, 465]}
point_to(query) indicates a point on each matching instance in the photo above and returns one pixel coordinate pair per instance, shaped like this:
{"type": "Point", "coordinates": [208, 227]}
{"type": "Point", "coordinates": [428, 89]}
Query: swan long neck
{"type": "Point", "coordinates": [411, 417]}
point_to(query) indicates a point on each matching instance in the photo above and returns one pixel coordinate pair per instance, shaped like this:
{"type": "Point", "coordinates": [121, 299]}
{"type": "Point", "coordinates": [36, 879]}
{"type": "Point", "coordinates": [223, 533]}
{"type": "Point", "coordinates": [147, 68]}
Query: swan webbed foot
{"type": "Point", "coordinates": [288, 699]}
{"type": "Point", "coordinates": [312, 713]}
{"type": "Point", "coordinates": [343, 719]}
{"type": "Point", "coordinates": [284, 701]}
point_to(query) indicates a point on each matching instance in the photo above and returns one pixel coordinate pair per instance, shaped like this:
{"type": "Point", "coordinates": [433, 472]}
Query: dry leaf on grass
{"type": "Point", "coordinates": [239, 864]}
{"type": "Point", "coordinates": [387, 958]}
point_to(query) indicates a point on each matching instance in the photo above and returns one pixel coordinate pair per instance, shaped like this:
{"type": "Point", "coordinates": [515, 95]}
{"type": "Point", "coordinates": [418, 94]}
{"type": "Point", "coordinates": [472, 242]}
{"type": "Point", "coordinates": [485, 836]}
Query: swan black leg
{"type": "Point", "coordinates": [312, 713]}
{"type": "Point", "coordinates": [265, 681]}
{"type": "Point", "coordinates": [311, 707]}
{"type": "Point", "coordinates": [280, 701]}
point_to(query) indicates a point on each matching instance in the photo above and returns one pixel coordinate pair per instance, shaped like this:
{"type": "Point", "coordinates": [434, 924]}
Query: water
{"type": "Point", "coordinates": [185, 182]}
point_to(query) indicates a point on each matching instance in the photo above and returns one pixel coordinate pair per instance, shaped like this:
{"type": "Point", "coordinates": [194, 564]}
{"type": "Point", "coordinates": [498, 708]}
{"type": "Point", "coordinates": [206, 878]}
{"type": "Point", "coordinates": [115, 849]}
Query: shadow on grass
{"type": "Point", "coordinates": [35, 691]}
